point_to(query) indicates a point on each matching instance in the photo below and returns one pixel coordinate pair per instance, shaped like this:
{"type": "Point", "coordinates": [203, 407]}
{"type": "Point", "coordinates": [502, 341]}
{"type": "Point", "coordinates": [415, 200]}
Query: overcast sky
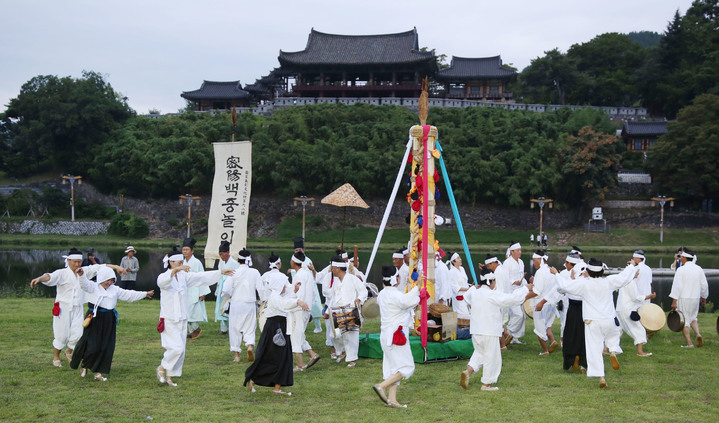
{"type": "Point", "coordinates": [151, 51]}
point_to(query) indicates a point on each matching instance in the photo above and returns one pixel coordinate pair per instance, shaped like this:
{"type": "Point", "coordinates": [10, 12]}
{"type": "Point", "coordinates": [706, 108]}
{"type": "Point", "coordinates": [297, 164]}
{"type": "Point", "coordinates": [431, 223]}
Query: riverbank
{"type": "Point", "coordinates": [704, 240]}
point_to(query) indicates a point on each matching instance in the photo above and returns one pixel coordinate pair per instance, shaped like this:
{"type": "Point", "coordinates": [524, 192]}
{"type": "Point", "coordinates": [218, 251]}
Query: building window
{"type": "Point", "coordinates": [638, 144]}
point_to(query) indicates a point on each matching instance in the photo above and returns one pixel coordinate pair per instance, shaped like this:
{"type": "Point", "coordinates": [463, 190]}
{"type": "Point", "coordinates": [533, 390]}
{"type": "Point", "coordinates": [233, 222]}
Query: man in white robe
{"type": "Point", "coordinates": [397, 318]}
{"type": "Point", "coordinates": [346, 291]}
{"type": "Point", "coordinates": [502, 284]}
{"type": "Point", "coordinates": [303, 282]}
{"type": "Point", "coordinates": [226, 262]}
{"type": "Point", "coordinates": [689, 291]}
{"type": "Point", "coordinates": [442, 290]}
{"type": "Point", "coordinates": [316, 307]}
{"type": "Point", "coordinates": [243, 289]}
{"type": "Point", "coordinates": [196, 310]}
{"type": "Point", "coordinates": [598, 311]}
{"type": "Point", "coordinates": [402, 268]}
{"type": "Point", "coordinates": [515, 268]}
{"type": "Point", "coordinates": [644, 280]}
{"type": "Point", "coordinates": [544, 306]}
{"type": "Point", "coordinates": [486, 304]}
{"type": "Point", "coordinates": [459, 281]}
{"type": "Point", "coordinates": [69, 299]}
{"type": "Point", "coordinates": [628, 301]}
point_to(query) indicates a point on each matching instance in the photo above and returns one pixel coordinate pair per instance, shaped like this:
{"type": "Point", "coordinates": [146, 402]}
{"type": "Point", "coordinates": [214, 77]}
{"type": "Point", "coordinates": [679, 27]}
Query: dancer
{"type": "Point", "coordinates": [544, 305]}
{"type": "Point", "coordinates": [196, 310]}
{"type": "Point", "coordinates": [515, 268]}
{"type": "Point", "coordinates": [273, 363]}
{"type": "Point", "coordinates": [243, 289]}
{"type": "Point", "coordinates": [96, 347]}
{"type": "Point", "coordinates": [502, 284]}
{"type": "Point", "coordinates": [174, 285]}
{"type": "Point", "coordinates": [304, 281]}
{"type": "Point", "coordinates": [486, 306]}
{"type": "Point", "coordinates": [397, 319]}
{"type": "Point", "coordinates": [574, 350]}
{"type": "Point", "coordinates": [69, 298]}
{"type": "Point", "coordinates": [347, 292]}
{"type": "Point", "coordinates": [689, 291]}
{"type": "Point", "coordinates": [226, 262]}
{"type": "Point", "coordinates": [600, 328]}
{"type": "Point", "coordinates": [628, 301]}
{"type": "Point", "coordinates": [459, 282]}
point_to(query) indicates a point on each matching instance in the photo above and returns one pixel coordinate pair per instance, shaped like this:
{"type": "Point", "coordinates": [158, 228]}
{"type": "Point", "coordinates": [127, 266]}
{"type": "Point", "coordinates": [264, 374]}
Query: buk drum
{"type": "Point", "coordinates": [345, 319]}
{"type": "Point", "coordinates": [652, 317]}
{"type": "Point", "coordinates": [528, 309]}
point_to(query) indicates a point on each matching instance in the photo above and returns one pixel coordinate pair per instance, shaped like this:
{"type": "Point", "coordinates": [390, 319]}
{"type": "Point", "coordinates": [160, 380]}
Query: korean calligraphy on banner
{"type": "Point", "coordinates": [230, 204]}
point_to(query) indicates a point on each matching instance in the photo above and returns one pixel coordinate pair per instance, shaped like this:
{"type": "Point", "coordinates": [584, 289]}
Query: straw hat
{"type": "Point", "coordinates": [129, 248]}
{"type": "Point", "coordinates": [436, 309]}
{"type": "Point", "coordinates": [652, 317]}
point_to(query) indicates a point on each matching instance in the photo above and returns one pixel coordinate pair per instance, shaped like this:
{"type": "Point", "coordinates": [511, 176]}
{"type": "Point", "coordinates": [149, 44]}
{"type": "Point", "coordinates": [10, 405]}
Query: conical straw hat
{"type": "Point", "coordinates": [345, 196]}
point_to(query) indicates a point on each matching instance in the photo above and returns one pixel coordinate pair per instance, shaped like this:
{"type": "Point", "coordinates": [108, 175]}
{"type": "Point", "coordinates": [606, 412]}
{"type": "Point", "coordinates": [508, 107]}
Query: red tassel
{"type": "Point", "coordinates": [56, 309]}
{"type": "Point", "coordinates": [460, 297]}
{"type": "Point", "coordinates": [161, 325]}
{"type": "Point", "coordinates": [398, 338]}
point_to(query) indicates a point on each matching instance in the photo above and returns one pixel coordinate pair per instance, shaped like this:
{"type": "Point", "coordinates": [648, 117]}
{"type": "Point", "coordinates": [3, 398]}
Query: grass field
{"type": "Point", "coordinates": [675, 384]}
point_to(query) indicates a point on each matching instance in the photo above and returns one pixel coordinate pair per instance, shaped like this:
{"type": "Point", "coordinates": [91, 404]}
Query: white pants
{"type": "Point", "coordinates": [689, 308]}
{"type": "Point", "coordinates": [328, 334]}
{"type": "Point", "coordinates": [348, 343]}
{"type": "Point", "coordinates": [486, 356]}
{"type": "Point", "coordinates": [242, 325]}
{"type": "Point", "coordinates": [632, 328]}
{"type": "Point", "coordinates": [515, 327]}
{"type": "Point", "coordinates": [299, 340]}
{"type": "Point", "coordinates": [543, 320]}
{"type": "Point", "coordinates": [597, 334]}
{"type": "Point", "coordinates": [67, 327]}
{"type": "Point", "coordinates": [397, 358]}
{"type": "Point", "coordinates": [174, 340]}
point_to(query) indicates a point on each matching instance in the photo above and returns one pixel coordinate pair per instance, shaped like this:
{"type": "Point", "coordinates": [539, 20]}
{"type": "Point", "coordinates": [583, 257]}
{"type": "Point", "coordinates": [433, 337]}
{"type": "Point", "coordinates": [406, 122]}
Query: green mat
{"type": "Point", "coordinates": [369, 347]}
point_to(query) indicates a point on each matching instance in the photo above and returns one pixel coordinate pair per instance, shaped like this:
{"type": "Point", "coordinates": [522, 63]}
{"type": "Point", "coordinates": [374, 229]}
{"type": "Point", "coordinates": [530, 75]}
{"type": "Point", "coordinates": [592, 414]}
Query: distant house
{"type": "Point", "coordinates": [482, 78]}
{"type": "Point", "coordinates": [639, 136]}
{"type": "Point", "coordinates": [331, 65]}
{"type": "Point", "coordinates": [219, 95]}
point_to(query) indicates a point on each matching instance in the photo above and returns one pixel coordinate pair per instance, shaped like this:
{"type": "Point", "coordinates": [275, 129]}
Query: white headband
{"type": "Point", "coordinates": [73, 257]}
{"type": "Point", "coordinates": [405, 252]}
{"type": "Point", "coordinates": [296, 260]}
{"type": "Point", "coordinates": [515, 246]}
{"type": "Point", "coordinates": [387, 278]}
{"type": "Point", "coordinates": [637, 255]}
{"type": "Point", "coordinates": [454, 257]}
{"type": "Point", "coordinates": [573, 260]}
{"type": "Point", "coordinates": [487, 277]}
{"type": "Point", "coordinates": [397, 255]}
{"type": "Point", "coordinates": [597, 268]}
{"type": "Point", "coordinates": [537, 256]}
{"type": "Point", "coordinates": [166, 260]}
{"type": "Point", "coordinates": [275, 264]}
{"type": "Point", "coordinates": [687, 255]}
{"type": "Point", "coordinates": [491, 260]}
{"type": "Point", "coordinates": [344, 255]}
{"type": "Point", "coordinates": [340, 264]}
{"type": "Point", "coordinates": [573, 251]}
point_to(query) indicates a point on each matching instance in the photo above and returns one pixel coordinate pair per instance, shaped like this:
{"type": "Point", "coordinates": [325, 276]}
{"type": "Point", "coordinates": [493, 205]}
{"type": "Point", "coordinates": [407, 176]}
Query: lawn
{"type": "Point", "coordinates": [675, 384]}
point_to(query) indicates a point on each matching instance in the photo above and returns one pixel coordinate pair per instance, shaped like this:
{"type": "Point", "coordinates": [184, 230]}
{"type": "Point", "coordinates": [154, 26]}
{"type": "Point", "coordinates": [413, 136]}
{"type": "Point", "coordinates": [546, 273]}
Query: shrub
{"type": "Point", "coordinates": [129, 225]}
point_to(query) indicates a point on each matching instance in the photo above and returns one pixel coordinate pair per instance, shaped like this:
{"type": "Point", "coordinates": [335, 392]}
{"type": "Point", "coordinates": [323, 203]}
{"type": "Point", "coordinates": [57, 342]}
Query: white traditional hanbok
{"type": "Point", "coordinates": [688, 287]}
{"type": "Point", "coordinates": [230, 264]}
{"type": "Point", "coordinates": [344, 293]}
{"type": "Point", "coordinates": [243, 289]}
{"type": "Point", "coordinates": [396, 308]}
{"type": "Point", "coordinates": [458, 280]}
{"type": "Point", "coordinates": [515, 269]}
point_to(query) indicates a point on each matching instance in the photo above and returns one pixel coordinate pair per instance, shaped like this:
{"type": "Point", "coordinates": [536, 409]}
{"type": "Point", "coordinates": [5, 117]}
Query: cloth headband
{"type": "Point", "coordinates": [573, 260]}
{"type": "Point", "coordinates": [340, 264]}
{"type": "Point", "coordinates": [515, 246]}
{"type": "Point", "coordinates": [166, 260]}
{"type": "Point", "coordinates": [687, 255]}
{"type": "Point", "coordinates": [387, 278]}
{"type": "Point", "coordinates": [397, 255]}
{"type": "Point", "coordinates": [574, 252]}
{"type": "Point", "coordinates": [73, 257]}
{"type": "Point", "coordinates": [637, 255]}
{"type": "Point", "coordinates": [487, 277]}
{"type": "Point", "coordinates": [296, 260]}
{"type": "Point", "coordinates": [344, 255]}
{"type": "Point", "coordinates": [491, 260]}
{"type": "Point", "coordinates": [454, 257]}
{"type": "Point", "coordinates": [537, 256]}
{"type": "Point", "coordinates": [404, 252]}
{"type": "Point", "coordinates": [597, 268]}
{"type": "Point", "coordinates": [275, 264]}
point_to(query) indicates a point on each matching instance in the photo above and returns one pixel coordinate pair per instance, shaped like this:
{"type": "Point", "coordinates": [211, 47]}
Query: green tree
{"type": "Point", "coordinates": [684, 160]}
{"type": "Point", "coordinates": [59, 122]}
{"type": "Point", "coordinates": [548, 79]}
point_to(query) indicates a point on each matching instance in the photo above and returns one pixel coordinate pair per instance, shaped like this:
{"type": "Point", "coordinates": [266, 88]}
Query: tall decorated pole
{"type": "Point", "coordinates": [421, 197]}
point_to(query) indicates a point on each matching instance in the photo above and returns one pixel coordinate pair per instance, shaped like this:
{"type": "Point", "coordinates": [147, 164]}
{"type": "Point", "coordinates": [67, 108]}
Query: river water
{"type": "Point", "coordinates": [19, 266]}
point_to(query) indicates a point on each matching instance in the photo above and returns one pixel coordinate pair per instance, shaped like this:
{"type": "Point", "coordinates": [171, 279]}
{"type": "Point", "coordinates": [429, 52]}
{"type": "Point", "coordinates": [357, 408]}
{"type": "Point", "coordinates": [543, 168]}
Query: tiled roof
{"type": "Point", "coordinates": [326, 49]}
{"type": "Point", "coordinates": [645, 128]}
{"type": "Point", "coordinates": [473, 68]}
{"type": "Point", "coordinates": [214, 90]}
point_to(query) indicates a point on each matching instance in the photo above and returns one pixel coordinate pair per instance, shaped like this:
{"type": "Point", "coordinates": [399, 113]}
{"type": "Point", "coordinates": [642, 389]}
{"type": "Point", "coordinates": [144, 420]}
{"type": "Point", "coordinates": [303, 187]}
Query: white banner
{"type": "Point", "coordinates": [230, 205]}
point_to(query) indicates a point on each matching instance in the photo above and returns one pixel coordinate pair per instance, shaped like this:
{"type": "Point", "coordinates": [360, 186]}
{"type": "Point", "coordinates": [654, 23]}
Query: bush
{"type": "Point", "coordinates": [129, 225]}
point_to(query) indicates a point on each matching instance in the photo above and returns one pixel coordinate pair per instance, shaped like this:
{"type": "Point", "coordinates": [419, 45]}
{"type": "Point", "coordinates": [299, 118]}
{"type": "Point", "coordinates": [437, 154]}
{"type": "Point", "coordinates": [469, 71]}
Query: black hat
{"type": "Point", "coordinates": [244, 254]}
{"type": "Point", "coordinates": [224, 247]}
{"type": "Point", "coordinates": [577, 249]}
{"type": "Point", "coordinates": [299, 242]}
{"type": "Point", "coordinates": [189, 242]}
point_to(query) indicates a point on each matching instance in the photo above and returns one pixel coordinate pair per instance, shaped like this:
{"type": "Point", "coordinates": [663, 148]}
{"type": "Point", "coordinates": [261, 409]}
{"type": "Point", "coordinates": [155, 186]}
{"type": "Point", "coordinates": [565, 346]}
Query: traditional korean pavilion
{"type": "Point", "coordinates": [639, 136]}
{"type": "Point", "coordinates": [219, 95]}
{"type": "Point", "coordinates": [482, 78]}
{"type": "Point", "coordinates": [389, 65]}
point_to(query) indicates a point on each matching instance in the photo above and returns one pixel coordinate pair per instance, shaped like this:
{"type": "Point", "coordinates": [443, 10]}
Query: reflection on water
{"type": "Point", "coordinates": [18, 267]}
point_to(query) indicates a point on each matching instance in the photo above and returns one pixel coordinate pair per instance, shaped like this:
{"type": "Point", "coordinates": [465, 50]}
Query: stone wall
{"type": "Point", "coordinates": [34, 227]}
